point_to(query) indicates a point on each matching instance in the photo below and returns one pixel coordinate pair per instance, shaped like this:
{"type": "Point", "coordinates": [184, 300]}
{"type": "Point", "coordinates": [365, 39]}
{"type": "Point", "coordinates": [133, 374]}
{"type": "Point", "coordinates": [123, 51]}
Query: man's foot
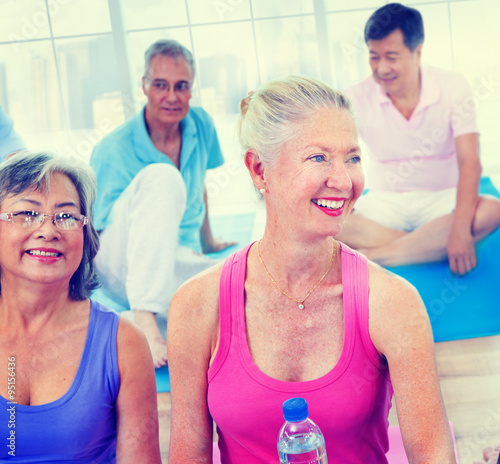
{"type": "Point", "coordinates": [490, 456]}
{"type": "Point", "coordinates": [147, 323]}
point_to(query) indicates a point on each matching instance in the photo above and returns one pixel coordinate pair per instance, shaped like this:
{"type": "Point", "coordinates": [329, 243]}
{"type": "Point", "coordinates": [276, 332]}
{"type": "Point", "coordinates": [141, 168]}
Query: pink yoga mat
{"type": "Point", "coordinates": [395, 455]}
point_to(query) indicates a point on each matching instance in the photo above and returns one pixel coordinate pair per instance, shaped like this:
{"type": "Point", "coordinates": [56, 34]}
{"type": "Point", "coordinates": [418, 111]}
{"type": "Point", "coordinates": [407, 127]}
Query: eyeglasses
{"type": "Point", "coordinates": [163, 85]}
{"type": "Point", "coordinates": [34, 219]}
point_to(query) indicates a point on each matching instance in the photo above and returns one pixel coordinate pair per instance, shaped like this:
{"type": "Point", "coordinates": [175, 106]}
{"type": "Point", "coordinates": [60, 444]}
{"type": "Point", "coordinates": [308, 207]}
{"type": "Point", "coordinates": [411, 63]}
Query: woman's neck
{"type": "Point", "coordinates": [29, 306]}
{"type": "Point", "coordinates": [296, 262]}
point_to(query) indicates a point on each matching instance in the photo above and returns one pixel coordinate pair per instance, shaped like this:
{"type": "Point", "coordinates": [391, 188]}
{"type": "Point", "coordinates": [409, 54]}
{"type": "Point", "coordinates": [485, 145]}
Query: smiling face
{"type": "Point", "coordinates": [317, 176]}
{"type": "Point", "coordinates": [47, 254]}
{"type": "Point", "coordinates": [168, 88]}
{"type": "Point", "coordinates": [395, 68]}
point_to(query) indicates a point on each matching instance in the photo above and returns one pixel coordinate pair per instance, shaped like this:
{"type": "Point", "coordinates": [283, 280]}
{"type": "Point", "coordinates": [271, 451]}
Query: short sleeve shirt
{"type": "Point", "coordinates": [10, 140]}
{"type": "Point", "coordinates": [119, 157]}
{"type": "Point", "coordinates": [419, 153]}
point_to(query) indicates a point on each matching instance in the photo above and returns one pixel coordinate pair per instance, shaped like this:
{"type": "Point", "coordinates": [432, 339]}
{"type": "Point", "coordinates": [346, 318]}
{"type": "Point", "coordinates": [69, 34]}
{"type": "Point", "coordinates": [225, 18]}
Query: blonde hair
{"type": "Point", "coordinates": [270, 115]}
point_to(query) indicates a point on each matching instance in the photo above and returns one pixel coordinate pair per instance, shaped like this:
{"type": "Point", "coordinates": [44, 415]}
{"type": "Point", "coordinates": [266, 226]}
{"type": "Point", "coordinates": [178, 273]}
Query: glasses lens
{"type": "Point", "coordinates": [27, 219]}
{"type": "Point", "coordinates": [68, 221]}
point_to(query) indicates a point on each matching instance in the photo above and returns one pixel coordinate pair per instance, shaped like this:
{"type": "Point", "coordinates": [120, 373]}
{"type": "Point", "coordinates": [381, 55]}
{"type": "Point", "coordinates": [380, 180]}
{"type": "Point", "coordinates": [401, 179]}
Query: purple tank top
{"type": "Point", "coordinates": [350, 403]}
{"type": "Point", "coordinates": [79, 427]}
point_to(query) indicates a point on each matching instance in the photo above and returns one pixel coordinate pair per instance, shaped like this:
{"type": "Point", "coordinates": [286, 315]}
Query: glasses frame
{"type": "Point", "coordinates": [152, 80]}
{"type": "Point", "coordinates": [9, 217]}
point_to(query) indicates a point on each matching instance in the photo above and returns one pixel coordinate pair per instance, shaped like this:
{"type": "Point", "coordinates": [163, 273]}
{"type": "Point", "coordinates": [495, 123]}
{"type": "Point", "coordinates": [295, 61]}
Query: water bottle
{"type": "Point", "coordinates": [300, 440]}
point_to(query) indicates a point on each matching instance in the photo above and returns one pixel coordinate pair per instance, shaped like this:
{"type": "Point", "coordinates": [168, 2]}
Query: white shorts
{"type": "Point", "coordinates": [406, 210]}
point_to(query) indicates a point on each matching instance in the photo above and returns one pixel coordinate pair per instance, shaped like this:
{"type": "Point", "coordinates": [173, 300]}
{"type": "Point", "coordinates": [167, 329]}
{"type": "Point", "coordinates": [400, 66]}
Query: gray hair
{"type": "Point", "coordinates": [27, 170]}
{"type": "Point", "coordinates": [270, 115]}
{"type": "Point", "coordinates": [170, 48]}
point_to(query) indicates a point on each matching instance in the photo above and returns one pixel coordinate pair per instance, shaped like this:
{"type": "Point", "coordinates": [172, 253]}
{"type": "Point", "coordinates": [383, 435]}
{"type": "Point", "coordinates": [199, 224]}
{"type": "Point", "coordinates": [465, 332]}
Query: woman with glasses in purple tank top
{"type": "Point", "coordinates": [77, 382]}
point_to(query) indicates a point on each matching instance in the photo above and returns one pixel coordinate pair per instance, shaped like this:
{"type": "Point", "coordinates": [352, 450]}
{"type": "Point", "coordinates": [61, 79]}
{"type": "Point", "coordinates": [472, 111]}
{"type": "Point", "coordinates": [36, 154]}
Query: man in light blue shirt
{"type": "Point", "coordinates": [10, 140]}
{"type": "Point", "coordinates": [151, 199]}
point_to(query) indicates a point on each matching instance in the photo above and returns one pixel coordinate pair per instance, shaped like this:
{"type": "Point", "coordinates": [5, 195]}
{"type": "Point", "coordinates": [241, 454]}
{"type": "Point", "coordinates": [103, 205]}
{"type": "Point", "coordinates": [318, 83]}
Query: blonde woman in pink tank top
{"type": "Point", "coordinates": [298, 313]}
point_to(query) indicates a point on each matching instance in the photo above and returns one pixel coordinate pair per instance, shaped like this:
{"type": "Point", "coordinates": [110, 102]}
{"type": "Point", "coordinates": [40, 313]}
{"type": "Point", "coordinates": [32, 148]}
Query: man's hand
{"type": "Point", "coordinates": [461, 251]}
{"type": "Point", "coordinates": [209, 244]}
{"type": "Point", "coordinates": [215, 244]}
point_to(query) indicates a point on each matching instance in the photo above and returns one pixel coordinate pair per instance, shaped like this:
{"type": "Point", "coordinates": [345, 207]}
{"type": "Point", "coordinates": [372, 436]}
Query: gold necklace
{"type": "Point", "coordinates": [300, 302]}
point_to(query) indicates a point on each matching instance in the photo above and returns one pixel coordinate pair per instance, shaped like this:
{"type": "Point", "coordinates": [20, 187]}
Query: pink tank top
{"type": "Point", "coordinates": [350, 403]}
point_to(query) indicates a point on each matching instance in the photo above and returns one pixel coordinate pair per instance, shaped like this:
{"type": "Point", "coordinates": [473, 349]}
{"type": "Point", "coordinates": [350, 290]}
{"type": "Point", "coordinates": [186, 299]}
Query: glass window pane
{"type": "Point", "coordinates": [203, 11]}
{"type": "Point", "coordinates": [339, 5]}
{"type": "Point", "coordinates": [79, 17]}
{"type": "Point", "coordinates": [349, 52]}
{"type": "Point", "coordinates": [265, 8]}
{"type": "Point", "coordinates": [473, 31]}
{"type": "Point", "coordinates": [416, 4]}
{"type": "Point", "coordinates": [23, 20]}
{"type": "Point", "coordinates": [370, 5]}
{"type": "Point", "coordinates": [227, 68]}
{"type": "Point", "coordinates": [29, 88]}
{"type": "Point", "coordinates": [437, 46]}
{"type": "Point", "coordinates": [281, 51]}
{"type": "Point", "coordinates": [154, 13]}
{"type": "Point", "coordinates": [89, 81]}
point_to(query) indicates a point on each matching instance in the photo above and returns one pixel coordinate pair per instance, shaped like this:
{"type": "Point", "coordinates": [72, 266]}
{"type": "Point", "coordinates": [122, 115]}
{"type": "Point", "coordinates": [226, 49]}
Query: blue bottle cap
{"type": "Point", "coordinates": [295, 410]}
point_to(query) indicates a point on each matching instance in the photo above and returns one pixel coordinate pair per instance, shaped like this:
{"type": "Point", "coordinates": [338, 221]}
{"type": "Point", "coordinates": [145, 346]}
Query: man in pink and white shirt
{"type": "Point", "coordinates": [420, 126]}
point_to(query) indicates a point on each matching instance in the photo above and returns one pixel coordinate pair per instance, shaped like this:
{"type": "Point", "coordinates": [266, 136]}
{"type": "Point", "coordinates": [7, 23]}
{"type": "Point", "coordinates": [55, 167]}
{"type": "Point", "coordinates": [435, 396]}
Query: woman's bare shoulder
{"type": "Point", "coordinates": [193, 321]}
{"type": "Point", "coordinates": [387, 288]}
{"type": "Point", "coordinates": [396, 309]}
{"type": "Point", "coordinates": [194, 308]}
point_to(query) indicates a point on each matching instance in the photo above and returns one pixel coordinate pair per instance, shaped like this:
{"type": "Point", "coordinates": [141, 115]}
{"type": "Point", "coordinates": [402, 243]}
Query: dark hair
{"type": "Point", "coordinates": [32, 170]}
{"type": "Point", "coordinates": [396, 16]}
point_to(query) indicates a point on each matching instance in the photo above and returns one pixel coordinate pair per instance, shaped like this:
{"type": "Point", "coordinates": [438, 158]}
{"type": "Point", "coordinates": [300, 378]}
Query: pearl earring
{"type": "Point", "coordinates": [262, 191]}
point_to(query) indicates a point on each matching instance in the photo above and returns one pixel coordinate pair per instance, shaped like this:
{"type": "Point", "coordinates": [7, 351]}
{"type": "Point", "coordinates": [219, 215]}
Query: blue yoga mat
{"type": "Point", "coordinates": [237, 227]}
{"type": "Point", "coordinates": [461, 307]}
{"type": "Point", "coordinates": [162, 379]}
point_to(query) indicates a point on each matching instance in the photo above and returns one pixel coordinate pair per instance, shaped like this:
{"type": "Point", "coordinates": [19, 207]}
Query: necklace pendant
{"type": "Point", "coordinates": [301, 306]}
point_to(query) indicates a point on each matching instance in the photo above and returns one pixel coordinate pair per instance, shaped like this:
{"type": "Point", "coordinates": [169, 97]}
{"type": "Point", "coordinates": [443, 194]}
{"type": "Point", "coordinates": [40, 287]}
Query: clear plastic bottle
{"type": "Point", "coordinates": [300, 440]}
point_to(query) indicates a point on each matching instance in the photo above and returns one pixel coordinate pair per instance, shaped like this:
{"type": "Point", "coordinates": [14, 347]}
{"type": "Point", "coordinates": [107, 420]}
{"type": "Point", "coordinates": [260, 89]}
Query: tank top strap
{"type": "Point", "coordinates": [103, 330]}
{"type": "Point", "coordinates": [231, 289]}
{"type": "Point", "coordinates": [356, 293]}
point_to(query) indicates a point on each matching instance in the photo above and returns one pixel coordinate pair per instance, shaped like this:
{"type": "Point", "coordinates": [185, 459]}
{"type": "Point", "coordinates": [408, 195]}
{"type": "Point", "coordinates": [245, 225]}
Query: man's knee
{"type": "Point", "coordinates": [161, 174]}
{"type": "Point", "coordinates": [489, 206]}
{"type": "Point", "coordinates": [487, 217]}
{"type": "Point", "coordinates": [160, 181]}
